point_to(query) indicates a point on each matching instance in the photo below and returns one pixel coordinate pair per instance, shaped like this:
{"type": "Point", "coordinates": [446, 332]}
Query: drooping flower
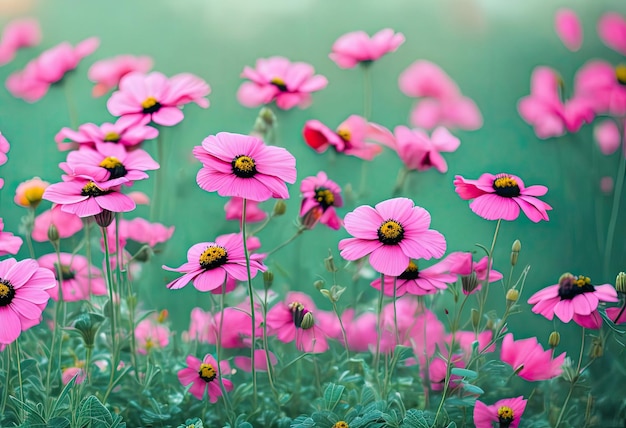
{"type": "Point", "coordinates": [79, 280]}
{"type": "Point", "coordinates": [569, 29]}
{"type": "Point", "coordinates": [419, 282]}
{"type": "Point", "coordinates": [125, 131]}
{"type": "Point", "coordinates": [33, 82]}
{"type": "Point", "coordinates": [462, 263]}
{"type": "Point", "coordinates": [107, 73]}
{"type": "Point", "coordinates": [9, 243]}
{"type": "Point", "coordinates": [234, 210]}
{"type": "Point", "coordinates": [529, 360]}
{"type": "Point", "coordinates": [203, 376]}
{"type": "Point", "coordinates": [29, 193]}
{"type": "Point", "coordinates": [320, 196]}
{"type": "Point", "coordinates": [391, 234]}
{"type": "Point", "coordinates": [612, 31]}
{"type": "Point", "coordinates": [278, 79]}
{"type": "Point", "coordinates": [501, 196]}
{"type": "Point", "coordinates": [209, 264]}
{"type": "Point", "coordinates": [603, 86]}
{"type": "Point", "coordinates": [23, 296]}
{"type": "Point", "coordinates": [151, 333]}
{"type": "Point", "coordinates": [573, 298]}
{"type": "Point", "coordinates": [66, 224]}
{"type": "Point", "coordinates": [545, 110]}
{"type": "Point", "coordinates": [357, 47]}
{"type": "Point", "coordinates": [350, 138]}
{"type": "Point", "coordinates": [4, 149]}
{"type": "Point", "coordinates": [506, 413]}
{"type": "Point", "coordinates": [606, 134]}
{"type": "Point", "coordinates": [243, 166]}
{"type": "Point", "coordinates": [154, 97]}
{"type": "Point", "coordinates": [19, 33]}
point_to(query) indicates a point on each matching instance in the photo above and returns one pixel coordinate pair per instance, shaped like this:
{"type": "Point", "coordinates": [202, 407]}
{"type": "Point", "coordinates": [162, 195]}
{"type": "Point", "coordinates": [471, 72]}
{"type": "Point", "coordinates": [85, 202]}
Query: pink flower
{"type": "Point", "coordinates": [569, 29]}
{"type": "Point", "coordinates": [612, 31]}
{"type": "Point", "coordinates": [501, 196]}
{"type": "Point", "coordinates": [4, 149]}
{"type": "Point", "coordinates": [66, 224]}
{"type": "Point", "coordinates": [391, 233]}
{"type": "Point", "coordinates": [507, 413]}
{"type": "Point", "coordinates": [73, 372]}
{"type": "Point", "coordinates": [278, 79]}
{"type": "Point", "coordinates": [199, 326]}
{"type": "Point", "coordinates": [466, 339]}
{"type": "Point", "coordinates": [140, 198]}
{"type": "Point", "coordinates": [357, 47]}
{"type": "Point", "coordinates": [606, 184]}
{"type": "Point", "coordinates": [617, 314]}
{"type": "Point", "coordinates": [350, 138]}
{"type": "Point", "coordinates": [320, 196]}
{"type": "Point", "coordinates": [107, 73]}
{"type": "Point", "coordinates": [462, 263]}
{"type": "Point", "coordinates": [125, 131]}
{"type": "Point", "coordinates": [142, 231]}
{"type": "Point", "coordinates": [19, 33]}
{"type": "Point", "coordinates": [9, 243]}
{"type": "Point", "coordinates": [243, 166]}
{"type": "Point", "coordinates": [151, 334]}
{"type": "Point", "coordinates": [29, 193]}
{"type": "Point", "coordinates": [544, 110]}
{"type": "Point", "coordinates": [23, 296]}
{"type": "Point", "coordinates": [154, 97]}
{"type": "Point", "coordinates": [443, 103]}
{"type": "Point", "coordinates": [260, 361]}
{"type": "Point", "coordinates": [573, 298]}
{"type": "Point", "coordinates": [203, 376]}
{"type": "Point", "coordinates": [529, 360]}
{"type": "Point", "coordinates": [209, 264]}
{"type": "Point", "coordinates": [234, 210]}
{"type": "Point", "coordinates": [603, 86]}
{"type": "Point", "coordinates": [360, 331]}
{"type": "Point", "coordinates": [33, 82]}
{"type": "Point", "coordinates": [85, 198]}
{"type": "Point", "coordinates": [607, 136]}
{"type": "Point", "coordinates": [79, 280]}
{"type": "Point", "coordinates": [438, 369]}
{"type": "Point", "coordinates": [419, 282]}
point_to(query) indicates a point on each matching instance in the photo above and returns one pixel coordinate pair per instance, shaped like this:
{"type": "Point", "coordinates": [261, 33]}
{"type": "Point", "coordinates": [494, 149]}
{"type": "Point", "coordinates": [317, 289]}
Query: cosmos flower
{"type": "Point", "coordinates": [203, 376]}
{"type": "Point", "coordinates": [243, 166]}
{"type": "Point", "coordinates": [438, 369]}
{"type": "Point", "coordinates": [501, 196]}
{"type": "Point", "coordinates": [320, 196]}
{"type": "Point", "coordinates": [529, 360]}
{"type": "Point", "coordinates": [350, 138]}
{"type": "Point", "coordinates": [29, 193]}
{"type": "Point", "coordinates": [506, 412]}
{"type": "Point", "coordinates": [612, 31]}
{"type": "Point", "coordinates": [391, 234]}
{"type": "Point", "coordinates": [603, 86]}
{"type": "Point", "coordinates": [66, 224]}
{"type": "Point", "coordinates": [151, 333]}
{"type": "Point", "coordinates": [278, 79]}
{"type": "Point", "coordinates": [419, 282]}
{"type": "Point", "coordinates": [462, 263]}
{"type": "Point", "coordinates": [107, 73]}
{"type": "Point", "coordinates": [607, 136]}
{"type": "Point", "coordinates": [357, 47]}
{"type": "Point", "coordinates": [17, 34]}
{"type": "Point", "coordinates": [569, 29]}
{"type": "Point", "coordinates": [9, 243]}
{"type": "Point", "coordinates": [360, 330]}
{"type": "Point", "coordinates": [79, 280]}
{"type": "Point", "coordinates": [234, 210]}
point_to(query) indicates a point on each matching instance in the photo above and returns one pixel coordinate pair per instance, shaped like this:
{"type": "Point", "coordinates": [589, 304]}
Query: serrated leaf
{"type": "Point", "coordinates": [415, 419]}
{"type": "Point", "coordinates": [468, 374]}
{"type": "Point", "coordinates": [93, 414]}
{"type": "Point", "coordinates": [66, 390]}
{"type": "Point", "coordinates": [332, 396]}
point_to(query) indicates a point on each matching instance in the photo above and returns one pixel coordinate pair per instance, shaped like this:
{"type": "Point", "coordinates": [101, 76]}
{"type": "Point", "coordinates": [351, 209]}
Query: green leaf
{"type": "Point", "coordinates": [473, 389]}
{"type": "Point", "coordinates": [415, 419]}
{"type": "Point", "coordinates": [59, 401]}
{"type": "Point", "coordinates": [332, 396]}
{"type": "Point", "coordinates": [93, 414]}
{"type": "Point", "coordinates": [468, 374]}
{"type": "Point", "coordinates": [59, 422]}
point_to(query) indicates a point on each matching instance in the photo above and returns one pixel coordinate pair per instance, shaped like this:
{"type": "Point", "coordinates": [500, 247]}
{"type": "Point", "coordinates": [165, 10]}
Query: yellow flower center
{"type": "Point", "coordinates": [207, 372]}
{"type": "Point", "coordinates": [341, 424]}
{"type": "Point", "coordinates": [620, 74]}
{"type": "Point", "coordinates": [149, 102]}
{"type": "Point", "coordinates": [390, 232]}
{"type": "Point", "coordinates": [111, 162]}
{"type": "Point", "coordinates": [112, 137]}
{"type": "Point", "coordinates": [581, 281]}
{"type": "Point", "coordinates": [92, 189]}
{"type": "Point", "coordinates": [324, 197]}
{"type": "Point", "coordinates": [4, 290]}
{"type": "Point", "coordinates": [149, 344]}
{"type": "Point", "coordinates": [244, 166]}
{"type": "Point", "coordinates": [213, 257]}
{"type": "Point", "coordinates": [344, 134]}
{"type": "Point", "coordinates": [411, 272]}
{"type": "Point", "coordinates": [33, 195]}
{"type": "Point", "coordinates": [506, 186]}
{"type": "Point", "coordinates": [505, 182]}
{"type": "Point", "coordinates": [7, 292]}
{"type": "Point", "coordinates": [279, 83]}
{"type": "Point", "coordinates": [505, 414]}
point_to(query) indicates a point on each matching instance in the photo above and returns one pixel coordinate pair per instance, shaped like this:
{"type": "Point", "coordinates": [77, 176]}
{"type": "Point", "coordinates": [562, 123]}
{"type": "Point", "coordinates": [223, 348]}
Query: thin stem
{"type": "Point", "coordinates": [343, 330]}
{"type": "Point", "coordinates": [29, 231]}
{"type": "Point", "coordinates": [620, 313]}
{"type": "Point", "coordinates": [71, 108]}
{"type": "Point", "coordinates": [57, 314]}
{"type": "Point", "coordinates": [251, 294]}
{"type": "Point", "coordinates": [19, 377]}
{"type": "Point", "coordinates": [88, 252]}
{"type": "Point", "coordinates": [485, 288]}
{"type": "Point", "coordinates": [403, 174]}
{"type": "Point", "coordinates": [266, 348]}
{"type": "Point", "coordinates": [395, 311]}
{"type": "Point", "coordinates": [574, 381]}
{"type": "Point", "coordinates": [617, 194]}
{"type": "Point", "coordinates": [288, 241]}
{"type": "Point", "coordinates": [367, 92]}
{"type": "Point", "coordinates": [218, 346]}
{"type": "Point", "coordinates": [5, 394]}
{"type": "Point", "coordinates": [378, 326]}
{"type": "Point", "coordinates": [114, 347]}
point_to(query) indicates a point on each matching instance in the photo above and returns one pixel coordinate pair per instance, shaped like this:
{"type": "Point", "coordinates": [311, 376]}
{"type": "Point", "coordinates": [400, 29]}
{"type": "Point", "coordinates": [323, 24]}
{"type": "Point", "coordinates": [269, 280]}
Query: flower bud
{"type": "Point", "coordinates": [329, 264]}
{"type": "Point", "coordinates": [87, 325]}
{"type": "Point", "coordinates": [104, 218]}
{"type": "Point", "coordinates": [53, 233]}
{"type": "Point", "coordinates": [515, 249]}
{"type": "Point", "coordinates": [319, 284]}
{"type": "Point", "coordinates": [307, 321]}
{"type": "Point", "coordinates": [469, 283]}
{"type": "Point", "coordinates": [512, 296]}
{"type": "Point", "coordinates": [268, 279]}
{"type": "Point", "coordinates": [597, 348]}
{"type": "Point", "coordinates": [280, 207]}
{"type": "Point", "coordinates": [475, 318]}
{"type": "Point", "coordinates": [554, 339]}
{"type": "Point", "coordinates": [620, 283]}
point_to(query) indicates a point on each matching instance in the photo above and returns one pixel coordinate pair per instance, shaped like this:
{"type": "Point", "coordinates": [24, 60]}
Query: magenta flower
{"type": "Point", "coordinates": [23, 296]}
{"type": "Point", "coordinates": [320, 196]}
{"type": "Point", "coordinates": [569, 29]}
{"type": "Point", "coordinates": [260, 361]}
{"type": "Point", "coordinates": [607, 135]}
{"type": "Point", "coordinates": [278, 79]}
{"type": "Point", "coordinates": [75, 277]}
{"type": "Point", "coordinates": [462, 263]}
{"type": "Point", "coordinates": [573, 298]}
{"type": "Point", "coordinates": [33, 82]}
{"type": "Point", "coordinates": [391, 234]}
{"type": "Point", "coordinates": [66, 224]}
{"type": "Point", "coordinates": [151, 334]}
{"type": "Point", "coordinates": [4, 149]}
{"type": "Point", "coordinates": [546, 112]}
{"type": "Point", "coordinates": [418, 282]}
{"type": "Point", "coordinates": [234, 210]}
{"type": "Point", "coordinates": [360, 331]}
{"type": "Point", "coordinates": [125, 131]}
{"type": "Point", "coordinates": [357, 47]}
{"type": "Point", "coordinates": [438, 369]}
{"type": "Point", "coordinates": [466, 339]}
{"type": "Point", "coordinates": [203, 376]}
{"type": "Point", "coordinates": [154, 97]}
{"type": "Point", "coordinates": [209, 264]}
{"type": "Point", "coordinates": [70, 373]}
{"type": "Point", "coordinates": [350, 137]}
{"type": "Point", "coordinates": [501, 196]}
{"type": "Point", "coordinates": [603, 86]}
{"type": "Point", "coordinates": [19, 33]}
{"type": "Point", "coordinates": [243, 166]}
{"type": "Point", "coordinates": [617, 314]}
{"type": "Point", "coordinates": [142, 231]}
{"type": "Point", "coordinates": [107, 73]}
{"type": "Point", "coordinates": [529, 360]}
{"type": "Point", "coordinates": [506, 412]}
{"type": "Point", "coordinates": [237, 329]}
{"type": "Point", "coordinates": [612, 31]}
{"type": "Point", "coordinates": [9, 243]}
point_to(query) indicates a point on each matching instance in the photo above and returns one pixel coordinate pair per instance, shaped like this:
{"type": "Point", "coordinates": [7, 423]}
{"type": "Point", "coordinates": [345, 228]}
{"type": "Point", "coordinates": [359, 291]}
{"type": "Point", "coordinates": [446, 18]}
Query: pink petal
{"type": "Point", "coordinates": [389, 260]}
{"type": "Point", "coordinates": [494, 207]}
{"type": "Point", "coordinates": [612, 31]}
{"type": "Point", "coordinates": [607, 136]}
{"type": "Point", "coordinates": [569, 29]}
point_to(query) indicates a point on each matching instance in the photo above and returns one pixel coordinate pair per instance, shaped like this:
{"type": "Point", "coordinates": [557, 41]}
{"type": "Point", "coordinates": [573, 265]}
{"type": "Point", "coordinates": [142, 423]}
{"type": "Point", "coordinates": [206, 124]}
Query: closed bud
{"type": "Point", "coordinates": [475, 318]}
{"type": "Point", "coordinates": [268, 279]}
{"type": "Point", "coordinates": [87, 325]}
{"type": "Point", "coordinates": [53, 233]}
{"type": "Point", "coordinates": [512, 295]}
{"type": "Point", "coordinates": [319, 284]}
{"type": "Point", "coordinates": [280, 207]}
{"type": "Point", "coordinates": [329, 264]}
{"type": "Point", "coordinates": [515, 249]}
{"type": "Point", "coordinates": [469, 283]}
{"type": "Point", "coordinates": [490, 324]}
{"type": "Point", "coordinates": [554, 339]}
{"type": "Point", "coordinates": [597, 348]}
{"type": "Point", "coordinates": [620, 283]}
{"type": "Point", "coordinates": [307, 321]}
{"type": "Point", "coordinates": [162, 316]}
{"type": "Point", "coordinates": [104, 218]}
{"type": "Point", "coordinates": [267, 116]}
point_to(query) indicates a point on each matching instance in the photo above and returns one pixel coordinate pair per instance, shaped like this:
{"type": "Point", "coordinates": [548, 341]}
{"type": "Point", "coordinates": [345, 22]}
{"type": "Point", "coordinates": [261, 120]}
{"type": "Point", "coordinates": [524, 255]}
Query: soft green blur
{"type": "Point", "coordinates": [488, 46]}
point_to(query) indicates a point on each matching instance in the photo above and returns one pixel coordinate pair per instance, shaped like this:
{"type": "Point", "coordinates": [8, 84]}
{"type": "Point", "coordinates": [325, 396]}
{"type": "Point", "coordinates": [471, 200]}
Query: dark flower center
{"type": "Point", "coordinates": [506, 186]}
{"type": "Point", "coordinates": [92, 189]}
{"type": "Point", "coordinates": [207, 373]}
{"type": "Point", "coordinates": [244, 166]}
{"type": "Point", "coordinates": [302, 318]}
{"type": "Point", "coordinates": [279, 83]}
{"type": "Point", "coordinates": [505, 416]}
{"type": "Point", "coordinates": [66, 273]}
{"type": "Point", "coordinates": [390, 232]}
{"type": "Point", "coordinates": [571, 286]}
{"type": "Point", "coordinates": [213, 257]}
{"type": "Point", "coordinates": [411, 272]}
{"type": "Point", "coordinates": [150, 105]}
{"type": "Point", "coordinates": [7, 292]}
{"type": "Point", "coordinates": [324, 197]}
{"type": "Point", "coordinates": [112, 137]}
{"type": "Point", "coordinates": [114, 166]}
{"type": "Point", "coordinates": [620, 74]}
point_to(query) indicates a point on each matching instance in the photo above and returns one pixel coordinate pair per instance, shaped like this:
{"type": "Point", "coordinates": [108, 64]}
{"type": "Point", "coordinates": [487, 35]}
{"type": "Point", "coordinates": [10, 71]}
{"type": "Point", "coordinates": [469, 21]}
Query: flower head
{"type": "Point", "coordinates": [204, 376]}
{"type": "Point", "coordinates": [234, 210]}
{"type": "Point", "coordinates": [66, 224]}
{"type": "Point", "coordinates": [29, 193]}
{"type": "Point", "coordinates": [350, 138]}
{"type": "Point", "coordinates": [358, 48]}
{"type": "Point", "coordinates": [320, 196]}
{"type": "Point", "coordinates": [243, 166]}
{"type": "Point", "coordinates": [391, 234]}
{"type": "Point", "coordinates": [79, 280]}
{"type": "Point", "coordinates": [9, 243]}
{"type": "Point", "coordinates": [4, 149]}
{"type": "Point", "coordinates": [278, 79]}
{"type": "Point", "coordinates": [125, 131]}
{"type": "Point", "coordinates": [419, 282]}
{"type": "Point", "coordinates": [463, 264]}
{"type": "Point", "coordinates": [501, 196]}
{"type": "Point", "coordinates": [506, 412]}
{"type": "Point", "coordinates": [107, 73]}
{"type": "Point", "coordinates": [151, 333]}
{"type": "Point", "coordinates": [569, 29]}
{"type": "Point", "coordinates": [19, 33]}
{"type": "Point", "coordinates": [603, 86]}
{"type": "Point", "coordinates": [529, 360]}
{"type": "Point", "coordinates": [612, 31]}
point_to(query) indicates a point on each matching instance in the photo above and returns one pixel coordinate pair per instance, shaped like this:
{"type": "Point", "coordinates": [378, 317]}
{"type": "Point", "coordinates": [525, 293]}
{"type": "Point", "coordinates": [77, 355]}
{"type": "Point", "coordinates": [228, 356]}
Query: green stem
{"type": "Point", "coordinates": [5, 394]}
{"type": "Point", "coordinates": [29, 232]}
{"type": "Point", "coordinates": [288, 241]}
{"type": "Point", "coordinates": [19, 377]}
{"type": "Point", "coordinates": [113, 312]}
{"type": "Point", "coordinates": [218, 347]}
{"type": "Point", "coordinates": [574, 381]}
{"type": "Point", "coordinates": [403, 174]}
{"type": "Point", "coordinates": [367, 92]}
{"type": "Point", "coordinates": [395, 311]}
{"type": "Point", "coordinates": [88, 251]}
{"type": "Point", "coordinates": [71, 108]}
{"type": "Point", "coordinates": [379, 311]}
{"type": "Point", "coordinates": [251, 294]}
{"type": "Point", "coordinates": [57, 315]}
{"type": "Point", "coordinates": [485, 288]}
{"type": "Point", "coordinates": [343, 330]}
{"type": "Point", "coordinates": [266, 348]}
{"type": "Point", "coordinates": [617, 194]}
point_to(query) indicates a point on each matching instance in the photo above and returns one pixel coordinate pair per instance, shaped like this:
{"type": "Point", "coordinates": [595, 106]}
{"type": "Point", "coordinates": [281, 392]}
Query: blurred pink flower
{"type": "Point", "coordinates": [33, 82]}
{"type": "Point", "coordinates": [358, 48]}
{"type": "Point", "coordinates": [79, 280]}
{"type": "Point", "coordinates": [125, 131]}
{"type": "Point", "coordinates": [606, 184]}
{"type": "Point", "coordinates": [320, 196]}
{"type": "Point", "coordinates": [419, 282]}
{"type": "Point", "coordinates": [4, 149]}
{"type": "Point", "coordinates": [612, 31]}
{"type": "Point", "coordinates": [528, 358]}
{"type": "Point", "coordinates": [603, 86]}
{"type": "Point", "coordinates": [438, 369]}
{"type": "Point", "coordinates": [19, 33]}
{"type": "Point", "coordinates": [507, 413]}
{"type": "Point", "coordinates": [203, 376]}
{"type": "Point", "coordinates": [607, 136]}
{"type": "Point", "coordinates": [350, 138]}
{"type": "Point", "coordinates": [569, 29]}
{"type": "Point", "coordinates": [154, 97]}
{"type": "Point", "coordinates": [237, 329]}
{"type": "Point", "coordinates": [234, 210]}
{"type": "Point", "coordinates": [67, 224]}
{"type": "Point", "coordinates": [151, 334]}
{"type": "Point", "coordinates": [466, 339]}
{"type": "Point", "coordinates": [73, 372]}
{"type": "Point", "coordinates": [142, 231]}
{"type": "Point", "coordinates": [140, 198]}
{"type": "Point", "coordinates": [278, 79]}
{"type": "Point", "coordinates": [30, 192]}
{"type": "Point", "coordinates": [360, 331]}
{"type": "Point", "coordinates": [107, 73]}
{"type": "Point", "coordinates": [199, 326]}
{"type": "Point", "coordinates": [9, 243]}
{"type": "Point", "coordinates": [260, 361]}
{"type": "Point", "coordinates": [544, 110]}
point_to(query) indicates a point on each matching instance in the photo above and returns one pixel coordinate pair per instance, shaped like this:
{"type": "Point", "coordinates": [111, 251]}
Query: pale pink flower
{"type": "Point", "coordinates": [612, 31]}
{"type": "Point", "coordinates": [462, 263]}
{"type": "Point", "coordinates": [140, 198]}
{"type": "Point", "coordinates": [4, 149]}
{"type": "Point", "coordinates": [278, 79]}
{"type": "Point", "coordinates": [19, 33]}
{"type": "Point", "coordinates": [79, 280]}
{"type": "Point", "coordinates": [360, 331]}
{"type": "Point", "coordinates": [199, 326]}
{"type": "Point", "coordinates": [607, 136]}
{"type": "Point", "coordinates": [234, 210]}
{"type": "Point", "coordinates": [151, 334]}
{"type": "Point", "coordinates": [603, 86]}
{"type": "Point", "coordinates": [465, 340]}
{"type": "Point", "coordinates": [125, 131]}
{"type": "Point", "coordinates": [529, 360]}
{"type": "Point", "coordinates": [357, 47]}
{"type": "Point", "coordinates": [204, 377]}
{"type": "Point", "coordinates": [506, 413]}
{"type": "Point", "coordinates": [320, 196]}
{"type": "Point", "coordinates": [350, 138]}
{"type": "Point", "coordinates": [9, 243]}
{"type": "Point", "coordinates": [606, 184]}
{"type": "Point", "coordinates": [30, 192]}
{"type": "Point", "coordinates": [569, 29]}
{"type": "Point", "coordinates": [67, 224]}
{"type": "Point", "coordinates": [73, 372]}
{"type": "Point", "coordinates": [438, 369]}
{"type": "Point", "coordinates": [107, 73]}
{"type": "Point", "coordinates": [145, 232]}
{"type": "Point", "coordinates": [236, 331]}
